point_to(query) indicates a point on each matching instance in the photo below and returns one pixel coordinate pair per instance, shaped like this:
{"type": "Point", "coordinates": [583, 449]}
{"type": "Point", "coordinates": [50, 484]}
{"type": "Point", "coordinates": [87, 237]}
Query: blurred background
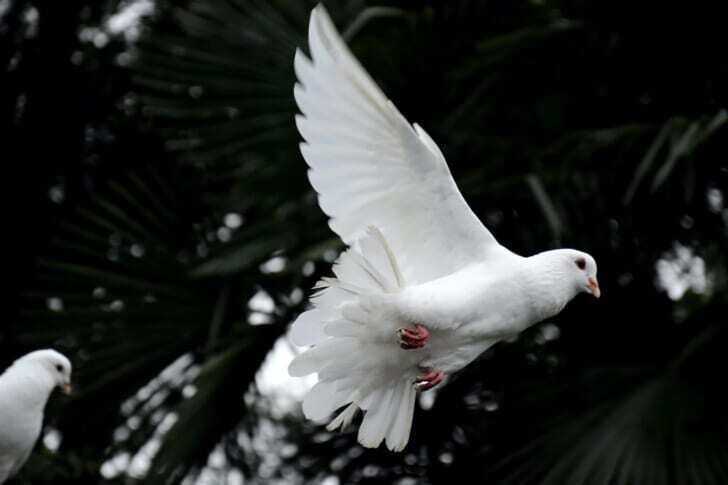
{"type": "Point", "coordinates": [163, 235]}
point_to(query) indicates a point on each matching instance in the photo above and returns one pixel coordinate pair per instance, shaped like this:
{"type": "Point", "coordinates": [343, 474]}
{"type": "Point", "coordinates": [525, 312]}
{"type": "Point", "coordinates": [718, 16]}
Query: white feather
{"type": "Point", "coordinates": [344, 418]}
{"type": "Point", "coordinates": [321, 354]}
{"type": "Point", "coordinates": [371, 167]}
{"type": "Point", "coordinates": [399, 431]}
{"type": "Point", "coordinates": [378, 417]}
{"type": "Point", "coordinates": [307, 329]}
{"type": "Point", "coordinates": [323, 399]}
{"type": "Point", "coordinates": [345, 328]}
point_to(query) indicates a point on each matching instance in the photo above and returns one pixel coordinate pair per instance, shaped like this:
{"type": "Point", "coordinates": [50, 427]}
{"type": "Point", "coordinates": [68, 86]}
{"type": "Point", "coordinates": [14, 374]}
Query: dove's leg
{"type": "Point", "coordinates": [429, 379]}
{"type": "Point", "coordinates": [413, 339]}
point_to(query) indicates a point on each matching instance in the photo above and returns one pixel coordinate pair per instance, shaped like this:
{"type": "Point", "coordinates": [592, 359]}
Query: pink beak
{"type": "Point", "coordinates": [594, 287]}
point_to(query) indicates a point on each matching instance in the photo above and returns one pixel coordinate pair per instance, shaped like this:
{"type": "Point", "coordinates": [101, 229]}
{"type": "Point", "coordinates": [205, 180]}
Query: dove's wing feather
{"type": "Point", "coordinates": [371, 167]}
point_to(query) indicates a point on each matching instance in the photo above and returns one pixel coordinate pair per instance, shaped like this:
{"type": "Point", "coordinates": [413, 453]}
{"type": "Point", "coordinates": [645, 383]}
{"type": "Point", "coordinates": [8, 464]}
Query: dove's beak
{"type": "Point", "coordinates": [594, 287]}
{"type": "Point", "coordinates": [67, 388]}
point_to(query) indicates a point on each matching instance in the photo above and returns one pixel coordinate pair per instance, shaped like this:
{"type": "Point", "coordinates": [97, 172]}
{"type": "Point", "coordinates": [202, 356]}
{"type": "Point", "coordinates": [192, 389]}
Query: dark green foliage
{"type": "Point", "coordinates": [592, 124]}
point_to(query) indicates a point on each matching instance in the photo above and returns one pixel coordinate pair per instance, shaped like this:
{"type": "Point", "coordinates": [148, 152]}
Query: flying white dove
{"type": "Point", "coordinates": [24, 390]}
{"type": "Point", "coordinates": [424, 287]}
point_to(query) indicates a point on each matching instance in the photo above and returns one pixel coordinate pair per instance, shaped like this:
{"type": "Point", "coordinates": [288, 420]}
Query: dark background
{"type": "Point", "coordinates": [591, 124]}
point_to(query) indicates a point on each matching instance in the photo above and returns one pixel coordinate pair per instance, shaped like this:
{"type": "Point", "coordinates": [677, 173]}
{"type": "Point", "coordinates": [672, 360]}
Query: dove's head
{"type": "Point", "coordinates": [53, 366]}
{"type": "Point", "coordinates": [573, 271]}
{"type": "Point", "coordinates": [582, 269]}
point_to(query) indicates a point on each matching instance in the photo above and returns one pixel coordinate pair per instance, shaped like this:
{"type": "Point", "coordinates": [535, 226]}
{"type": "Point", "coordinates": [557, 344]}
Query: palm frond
{"type": "Point", "coordinates": [215, 408]}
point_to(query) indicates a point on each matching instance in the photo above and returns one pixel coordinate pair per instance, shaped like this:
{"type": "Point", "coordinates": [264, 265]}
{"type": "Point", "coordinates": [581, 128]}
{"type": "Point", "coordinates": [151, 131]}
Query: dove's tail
{"type": "Point", "coordinates": [347, 351]}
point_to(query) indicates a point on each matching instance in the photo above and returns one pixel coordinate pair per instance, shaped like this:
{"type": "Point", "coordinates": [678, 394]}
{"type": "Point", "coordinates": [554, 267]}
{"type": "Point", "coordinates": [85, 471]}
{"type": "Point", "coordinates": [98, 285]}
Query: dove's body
{"type": "Point", "coordinates": [22, 399]}
{"type": "Point", "coordinates": [466, 312]}
{"type": "Point", "coordinates": [24, 391]}
{"type": "Point", "coordinates": [427, 287]}
{"type": "Point", "coordinates": [461, 324]}
{"type": "Point", "coordinates": [470, 310]}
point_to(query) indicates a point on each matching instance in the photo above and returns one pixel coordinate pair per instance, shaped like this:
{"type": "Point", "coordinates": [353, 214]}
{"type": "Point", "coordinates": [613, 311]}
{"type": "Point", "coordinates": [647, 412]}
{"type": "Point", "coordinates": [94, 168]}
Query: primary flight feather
{"type": "Point", "coordinates": [424, 287]}
{"type": "Point", "coordinates": [24, 390]}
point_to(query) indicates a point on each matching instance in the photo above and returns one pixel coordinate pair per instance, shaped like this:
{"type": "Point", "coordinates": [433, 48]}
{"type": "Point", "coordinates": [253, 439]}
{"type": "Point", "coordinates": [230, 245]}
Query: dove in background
{"type": "Point", "coordinates": [424, 287]}
{"type": "Point", "coordinates": [24, 390]}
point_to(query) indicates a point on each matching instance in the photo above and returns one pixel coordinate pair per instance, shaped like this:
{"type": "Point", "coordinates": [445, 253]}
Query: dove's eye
{"type": "Point", "coordinates": [59, 367]}
{"type": "Point", "coordinates": [580, 263]}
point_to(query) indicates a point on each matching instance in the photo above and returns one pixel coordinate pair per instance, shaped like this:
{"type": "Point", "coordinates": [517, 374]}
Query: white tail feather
{"type": "Point", "coordinates": [350, 362]}
{"type": "Point", "coordinates": [344, 418]}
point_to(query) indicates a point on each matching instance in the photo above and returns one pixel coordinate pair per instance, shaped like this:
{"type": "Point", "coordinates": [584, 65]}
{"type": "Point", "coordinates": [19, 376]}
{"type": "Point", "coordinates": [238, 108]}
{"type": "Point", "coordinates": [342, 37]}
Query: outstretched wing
{"type": "Point", "coordinates": [371, 167]}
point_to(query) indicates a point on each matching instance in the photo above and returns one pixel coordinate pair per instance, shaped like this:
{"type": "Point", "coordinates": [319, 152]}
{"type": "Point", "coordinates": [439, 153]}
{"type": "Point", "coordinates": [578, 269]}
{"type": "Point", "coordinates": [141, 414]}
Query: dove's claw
{"type": "Point", "coordinates": [413, 339]}
{"type": "Point", "coordinates": [429, 379]}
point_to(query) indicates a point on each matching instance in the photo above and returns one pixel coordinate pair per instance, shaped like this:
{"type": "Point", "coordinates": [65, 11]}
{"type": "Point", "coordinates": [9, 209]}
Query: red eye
{"type": "Point", "coordinates": [580, 263]}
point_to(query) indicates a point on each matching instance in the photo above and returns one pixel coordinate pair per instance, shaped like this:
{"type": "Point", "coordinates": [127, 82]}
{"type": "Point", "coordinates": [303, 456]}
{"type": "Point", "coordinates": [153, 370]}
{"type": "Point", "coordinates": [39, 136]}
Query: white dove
{"type": "Point", "coordinates": [24, 390]}
{"type": "Point", "coordinates": [424, 287]}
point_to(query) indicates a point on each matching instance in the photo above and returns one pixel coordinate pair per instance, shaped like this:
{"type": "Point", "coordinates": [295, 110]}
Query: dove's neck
{"type": "Point", "coordinates": [550, 283]}
{"type": "Point", "coordinates": [30, 384]}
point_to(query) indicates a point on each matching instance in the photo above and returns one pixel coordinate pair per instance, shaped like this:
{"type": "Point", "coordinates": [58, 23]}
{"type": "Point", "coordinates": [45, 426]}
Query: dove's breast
{"type": "Point", "coordinates": [471, 301]}
{"type": "Point", "coordinates": [20, 431]}
{"type": "Point", "coordinates": [20, 426]}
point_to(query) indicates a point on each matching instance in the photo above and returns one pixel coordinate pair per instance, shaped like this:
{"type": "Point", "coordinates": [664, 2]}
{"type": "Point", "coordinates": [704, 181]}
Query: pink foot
{"type": "Point", "coordinates": [413, 339]}
{"type": "Point", "coordinates": [429, 379]}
